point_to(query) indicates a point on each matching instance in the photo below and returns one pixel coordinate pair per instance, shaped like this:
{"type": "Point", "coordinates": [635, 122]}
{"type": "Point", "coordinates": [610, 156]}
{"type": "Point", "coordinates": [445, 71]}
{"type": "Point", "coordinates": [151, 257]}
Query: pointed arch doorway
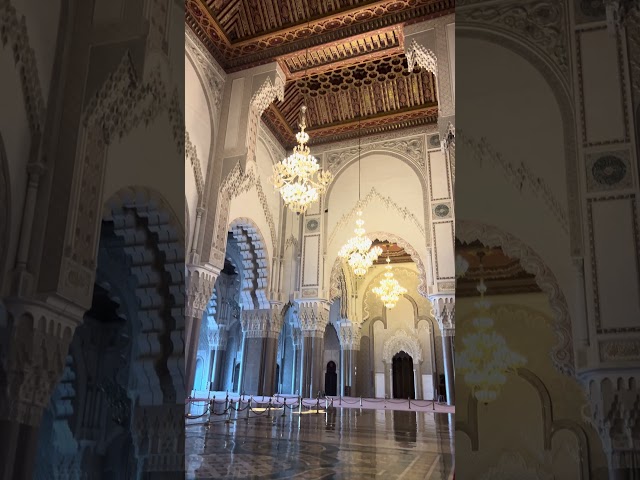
{"type": "Point", "coordinates": [402, 371]}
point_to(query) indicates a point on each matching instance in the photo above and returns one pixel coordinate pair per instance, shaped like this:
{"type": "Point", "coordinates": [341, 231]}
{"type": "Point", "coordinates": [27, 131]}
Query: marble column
{"type": "Point", "coordinates": [32, 362]}
{"type": "Point", "coordinates": [449, 371]}
{"type": "Point", "coordinates": [200, 283]}
{"type": "Point", "coordinates": [444, 310]}
{"type": "Point", "coordinates": [312, 377]}
{"type": "Point", "coordinates": [297, 359]}
{"type": "Point", "coordinates": [218, 345]}
{"type": "Point", "coordinates": [261, 330]}
{"type": "Point", "coordinates": [313, 316]}
{"type": "Point", "coordinates": [349, 335]}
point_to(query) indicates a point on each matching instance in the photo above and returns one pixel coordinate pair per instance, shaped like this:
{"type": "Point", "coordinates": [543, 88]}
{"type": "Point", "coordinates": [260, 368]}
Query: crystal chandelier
{"type": "Point", "coordinates": [357, 251]}
{"type": "Point", "coordinates": [298, 177]}
{"type": "Point", "coordinates": [389, 289]}
{"type": "Point", "coordinates": [486, 359]}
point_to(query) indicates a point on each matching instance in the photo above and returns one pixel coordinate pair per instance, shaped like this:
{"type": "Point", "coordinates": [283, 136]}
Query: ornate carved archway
{"type": "Point", "coordinates": [401, 341]}
{"type": "Point", "coordinates": [490, 236]}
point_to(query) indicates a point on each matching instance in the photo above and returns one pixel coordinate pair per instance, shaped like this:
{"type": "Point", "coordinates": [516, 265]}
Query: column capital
{"type": "Point", "coordinates": [313, 316]}
{"type": "Point", "coordinates": [200, 282]}
{"type": "Point", "coordinates": [217, 338]}
{"type": "Point", "coordinates": [444, 309]}
{"type": "Point", "coordinates": [263, 322]}
{"type": "Point", "coordinates": [44, 332]}
{"type": "Point", "coordinates": [611, 401]}
{"type": "Point", "coordinates": [350, 335]}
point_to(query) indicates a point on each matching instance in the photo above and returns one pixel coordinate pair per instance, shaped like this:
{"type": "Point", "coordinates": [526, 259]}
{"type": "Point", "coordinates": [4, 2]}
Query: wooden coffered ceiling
{"type": "Point", "coordinates": [336, 55]}
{"type": "Point", "coordinates": [502, 274]}
{"type": "Point", "coordinates": [397, 254]}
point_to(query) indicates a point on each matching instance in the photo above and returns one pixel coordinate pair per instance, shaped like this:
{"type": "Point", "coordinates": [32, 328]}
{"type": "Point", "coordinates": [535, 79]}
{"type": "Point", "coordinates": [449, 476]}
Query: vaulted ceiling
{"type": "Point", "coordinates": [344, 58]}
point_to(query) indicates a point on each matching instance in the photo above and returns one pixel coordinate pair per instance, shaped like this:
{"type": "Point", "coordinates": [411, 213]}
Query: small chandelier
{"type": "Point", "coordinates": [358, 252]}
{"type": "Point", "coordinates": [298, 177]}
{"type": "Point", "coordinates": [486, 359]}
{"type": "Point", "coordinates": [389, 289]}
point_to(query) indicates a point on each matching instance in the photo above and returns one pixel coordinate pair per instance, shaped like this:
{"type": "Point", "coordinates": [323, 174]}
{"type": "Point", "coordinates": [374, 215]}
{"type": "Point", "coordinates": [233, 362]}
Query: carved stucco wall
{"type": "Point", "coordinates": [27, 53]}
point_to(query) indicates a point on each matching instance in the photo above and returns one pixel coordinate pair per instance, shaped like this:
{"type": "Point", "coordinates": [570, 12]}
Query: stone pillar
{"type": "Point", "coordinates": [349, 334]}
{"type": "Point", "coordinates": [261, 330]}
{"type": "Point", "coordinates": [314, 318]}
{"type": "Point", "coordinates": [297, 359]}
{"type": "Point", "coordinates": [417, 380]}
{"type": "Point", "coordinates": [218, 345]}
{"type": "Point", "coordinates": [388, 379]}
{"type": "Point", "coordinates": [444, 311]}
{"type": "Point", "coordinates": [200, 283]}
{"type": "Point", "coordinates": [34, 343]}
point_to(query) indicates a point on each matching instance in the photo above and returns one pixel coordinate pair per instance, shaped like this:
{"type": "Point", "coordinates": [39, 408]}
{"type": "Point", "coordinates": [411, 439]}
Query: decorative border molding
{"type": "Point", "coordinates": [191, 154]}
{"type": "Point", "coordinates": [14, 31]}
{"type": "Point", "coordinates": [517, 176]}
{"type": "Point", "coordinates": [592, 254]}
{"type": "Point", "coordinates": [403, 212]}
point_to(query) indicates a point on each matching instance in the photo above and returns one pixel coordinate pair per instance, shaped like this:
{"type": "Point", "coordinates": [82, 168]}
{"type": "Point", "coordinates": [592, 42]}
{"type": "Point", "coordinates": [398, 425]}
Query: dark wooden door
{"type": "Point", "coordinates": [403, 385]}
{"type": "Point", "coordinates": [331, 380]}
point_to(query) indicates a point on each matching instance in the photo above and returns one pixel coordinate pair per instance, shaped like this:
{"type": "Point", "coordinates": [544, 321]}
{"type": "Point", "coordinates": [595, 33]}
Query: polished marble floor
{"type": "Point", "coordinates": [336, 444]}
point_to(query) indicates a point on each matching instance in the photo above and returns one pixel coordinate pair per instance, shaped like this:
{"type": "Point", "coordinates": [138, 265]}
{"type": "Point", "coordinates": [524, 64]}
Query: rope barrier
{"type": "Point", "coordinates": [257, 407]}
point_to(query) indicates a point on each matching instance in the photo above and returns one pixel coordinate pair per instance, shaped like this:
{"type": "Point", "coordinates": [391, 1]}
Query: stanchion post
{"type": "Point", "coordinates": [300, 404]}
{"type": "Point", "coordinates": [284, 407]}
{"type": "Point", "coordinates": [409, 403]}
{"type": "Point", "coordinates": [360, 400]}
{"type": "Point", "coordinates": [269, 408]}
{"type": "Point", "coordinates": [248, 409]}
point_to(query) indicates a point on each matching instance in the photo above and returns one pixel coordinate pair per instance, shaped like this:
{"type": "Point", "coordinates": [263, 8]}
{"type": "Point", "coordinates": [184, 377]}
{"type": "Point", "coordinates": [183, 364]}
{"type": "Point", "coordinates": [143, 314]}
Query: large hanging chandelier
{"type": "Point", "coordinates": [389, 289]}
{"type": "Point", "coordinates": [298, 177]}
{"type": "Point", "coordinates": [486, 358]}
{"type": "Point", "coordinates": [358, 252]}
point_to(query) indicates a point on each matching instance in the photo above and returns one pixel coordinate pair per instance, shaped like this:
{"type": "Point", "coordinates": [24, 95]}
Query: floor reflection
{"type": "Point", "coordinates": [337, 444]}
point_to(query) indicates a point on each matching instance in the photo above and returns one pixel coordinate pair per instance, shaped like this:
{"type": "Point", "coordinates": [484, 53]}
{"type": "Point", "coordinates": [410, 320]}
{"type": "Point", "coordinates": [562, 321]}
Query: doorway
{"type": "Point", "coordinates": [403, 385]}
{"type": "Point", "coordinates": [331, 380]}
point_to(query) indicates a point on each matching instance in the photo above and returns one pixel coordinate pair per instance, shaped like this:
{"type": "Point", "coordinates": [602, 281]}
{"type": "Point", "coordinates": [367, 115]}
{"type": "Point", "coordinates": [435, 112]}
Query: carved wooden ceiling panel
{"type": "Point", "coordinates": [329, 51]}
{"type": "Point", "coordinates": [502, 274]}
{"type": "Point", "coordinates": [397, 254]}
